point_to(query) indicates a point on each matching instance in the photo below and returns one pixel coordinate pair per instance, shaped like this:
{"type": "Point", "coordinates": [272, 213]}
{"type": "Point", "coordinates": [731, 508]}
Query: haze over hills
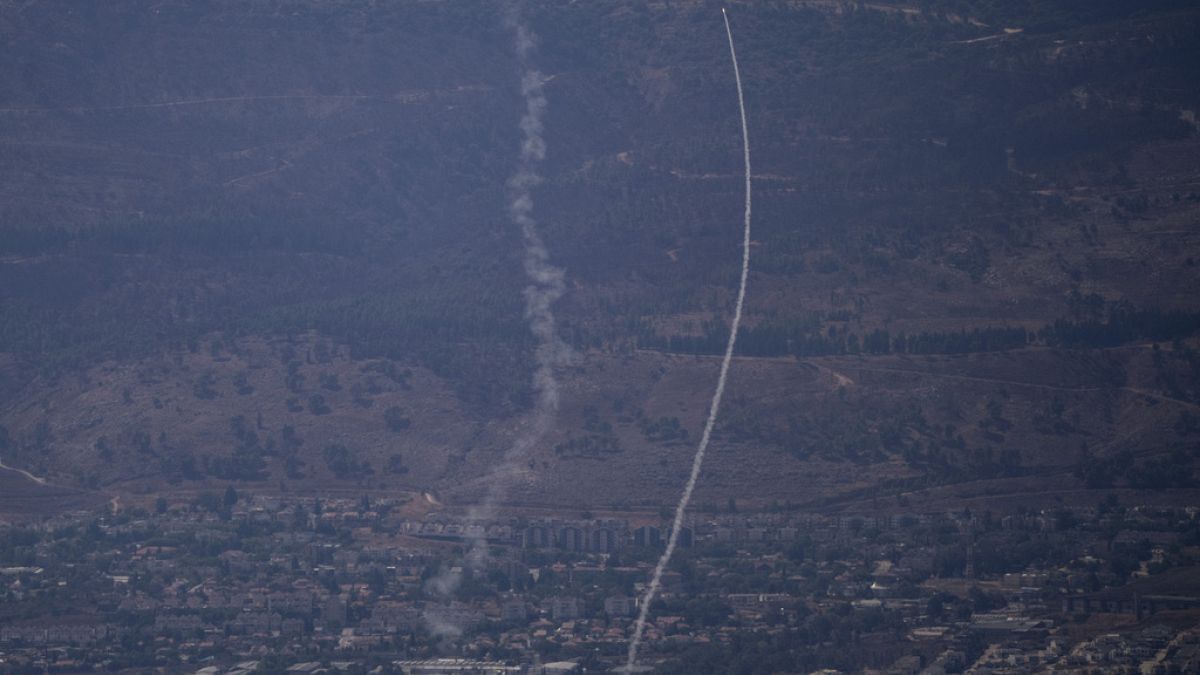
{"type": "Point", "coordinates": [268, 245]}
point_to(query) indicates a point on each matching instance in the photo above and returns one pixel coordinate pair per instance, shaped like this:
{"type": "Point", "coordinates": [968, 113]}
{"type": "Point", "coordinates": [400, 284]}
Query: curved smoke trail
{"type": "Point", "coordinates": [546, 284]}
{"type": "Point", "coordinates": [698, 461]}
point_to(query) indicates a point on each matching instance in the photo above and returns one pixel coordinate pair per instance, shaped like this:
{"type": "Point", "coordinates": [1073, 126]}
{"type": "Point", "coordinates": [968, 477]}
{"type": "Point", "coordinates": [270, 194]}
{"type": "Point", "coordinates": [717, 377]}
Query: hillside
{"type": "Point", "coordinates": [268, 245]}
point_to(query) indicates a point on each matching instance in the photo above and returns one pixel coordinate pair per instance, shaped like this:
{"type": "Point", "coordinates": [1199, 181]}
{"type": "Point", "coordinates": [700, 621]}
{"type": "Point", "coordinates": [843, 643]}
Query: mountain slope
{"type": "Point", "coordinates": [975, 246]}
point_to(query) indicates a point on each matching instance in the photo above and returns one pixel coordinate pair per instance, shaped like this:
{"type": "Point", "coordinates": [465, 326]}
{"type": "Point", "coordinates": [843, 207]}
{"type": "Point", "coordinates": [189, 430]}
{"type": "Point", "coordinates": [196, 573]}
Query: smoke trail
{"type": "Point", "coordinates": [546, 284]}
{"type": "Point", "coordinates": [546, 281]}
{"type": "Point", "coordinates": [698, 461]}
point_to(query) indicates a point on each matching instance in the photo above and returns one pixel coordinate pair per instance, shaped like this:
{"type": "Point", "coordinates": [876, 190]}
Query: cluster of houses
{"type": "Point", "coordinates": [310, 580]}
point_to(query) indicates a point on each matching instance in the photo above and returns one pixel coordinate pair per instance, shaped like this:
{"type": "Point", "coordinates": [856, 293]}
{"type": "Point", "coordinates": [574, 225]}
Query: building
{"type": "Point", "coordinates": [564, 608]}
{"type": "Point", "coordinates": [458, 666]}
{"type": "Point", "coordinates": [620, 606]}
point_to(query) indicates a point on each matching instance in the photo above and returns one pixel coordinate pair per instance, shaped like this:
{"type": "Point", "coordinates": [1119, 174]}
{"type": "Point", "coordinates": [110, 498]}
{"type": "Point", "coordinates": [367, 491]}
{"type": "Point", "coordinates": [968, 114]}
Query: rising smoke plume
{"type": "Point", "coordinates": [698, 461]}
{"type": "Point", "coordinates": [546, 284]}
{"type": "Point", "coordinates": [546, 281]}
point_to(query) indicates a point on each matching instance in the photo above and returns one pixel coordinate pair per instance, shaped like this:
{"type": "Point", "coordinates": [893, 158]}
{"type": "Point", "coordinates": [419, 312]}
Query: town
{"type": "Point", "coordinates": [229, 583]}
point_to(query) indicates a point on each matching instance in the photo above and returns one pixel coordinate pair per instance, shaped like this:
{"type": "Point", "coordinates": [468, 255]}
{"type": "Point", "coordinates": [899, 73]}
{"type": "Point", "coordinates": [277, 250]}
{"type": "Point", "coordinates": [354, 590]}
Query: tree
{"type": "Point", "coordinates": [317, 405]}
{"type": "Point", "coordinates": [395, 464]}
{"type": "Point", "coordinates": [395, 419]}
{"type": "Point", "coordinates": [343, 461]}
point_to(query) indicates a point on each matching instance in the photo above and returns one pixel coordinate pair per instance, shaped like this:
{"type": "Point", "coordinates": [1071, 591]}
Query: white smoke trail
{"type": "Point", "coordinates": [546, 284]}
{"type": "Point", "coordinates": [698, 461]}
{"type": "Point", "coordinates": [546, 281]}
